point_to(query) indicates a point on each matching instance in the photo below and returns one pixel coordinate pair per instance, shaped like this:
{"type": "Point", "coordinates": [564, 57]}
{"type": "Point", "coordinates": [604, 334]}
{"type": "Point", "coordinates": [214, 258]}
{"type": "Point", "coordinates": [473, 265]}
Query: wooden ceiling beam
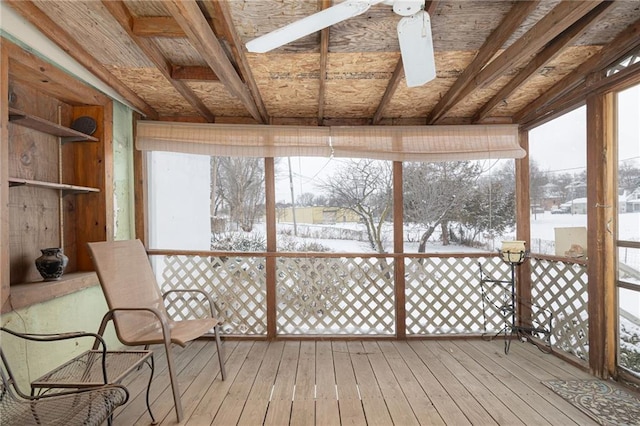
{"type": "Point", "coordinates": [624, 43]}
{"type": "Point", "coordinates": [324, 54]}
{"type": "Point", "coordinates": [121, 14]}
{"type": "Point", "coordinates": [220, 14]}
{"type": "Point", "coordinates": [552, 50]}
{"type": "Point", "coordinates": [193, 73]}
{"type": "Point", "coordinates": [546, 29]}
{"type": "Point", "coordinates": [463, 84]}
{"type": "Point", "coordinates": [66, 42]}
{"type": "Point", "coordinates": [623, 79]}
{"type": "Point", "coordinates": [398, 72]}
{"type": "Point", "coordinates": [157, 26]}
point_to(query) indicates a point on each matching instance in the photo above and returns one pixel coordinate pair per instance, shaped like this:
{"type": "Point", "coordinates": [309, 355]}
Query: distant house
{"type": "Point", "coordinates": [551, 196]}
{"type": "Point", "coordinates": [576, 206]}
{"type": "Point", "coordinates": [629, 202]}
{"type": "Point", "coordinates": [576, 189]}
{"type": "Point", "coordinates": [317, 215]}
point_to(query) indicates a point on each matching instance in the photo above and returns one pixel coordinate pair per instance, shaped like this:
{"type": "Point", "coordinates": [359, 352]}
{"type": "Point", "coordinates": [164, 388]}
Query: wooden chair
{"type": "Point", "coordinates": [88, 406]}
{"type": "Point", "coordinates": [137, 308]}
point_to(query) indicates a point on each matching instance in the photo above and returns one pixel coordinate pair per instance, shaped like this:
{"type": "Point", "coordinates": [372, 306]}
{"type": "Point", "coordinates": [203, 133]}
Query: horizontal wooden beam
{"type": "Point", "coordinates": [119, 11]}
{"type": "Point", "coordinates": [551, 51]}
{"type": "Point", "coordinates": [626, 42]}
{"type": "Point", "coordinates": [225, 29]}
{"type": "Point", "coordinates": [158, 26]}
{"type": "Point", "coordinates": [188, 14]}
{"type": "Point", "coordinates": [463, 85]}
{"type": "Point", "coordinates": [193, 73]}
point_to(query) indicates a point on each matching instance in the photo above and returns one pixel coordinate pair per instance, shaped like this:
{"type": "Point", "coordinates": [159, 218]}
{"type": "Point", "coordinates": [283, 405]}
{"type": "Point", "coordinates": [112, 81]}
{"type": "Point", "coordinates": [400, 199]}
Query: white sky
{"type": "Point", "coordinates": [559, 145]}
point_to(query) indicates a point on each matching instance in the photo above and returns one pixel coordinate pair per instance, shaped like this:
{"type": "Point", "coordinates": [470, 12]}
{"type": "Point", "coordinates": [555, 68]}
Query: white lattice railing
{"type": "Point", "coordinates": [443, 295]}
{"type": "Point", "coordinates": [561, 287]}
{"type": "Point", "coordinates": [335, 295]}
{"type": "Point", "coordinates": [236, 284]}
{"type": "Point", "coordinates": [356, 295]}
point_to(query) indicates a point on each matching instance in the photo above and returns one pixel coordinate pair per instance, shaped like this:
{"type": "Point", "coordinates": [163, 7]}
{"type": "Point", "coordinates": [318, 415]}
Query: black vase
{"type": "Point", "coordinates": [52, 263]}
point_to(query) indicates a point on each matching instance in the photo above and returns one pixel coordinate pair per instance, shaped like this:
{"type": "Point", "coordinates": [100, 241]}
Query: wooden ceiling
{"type": "Point", "coordinates": [497, 61]}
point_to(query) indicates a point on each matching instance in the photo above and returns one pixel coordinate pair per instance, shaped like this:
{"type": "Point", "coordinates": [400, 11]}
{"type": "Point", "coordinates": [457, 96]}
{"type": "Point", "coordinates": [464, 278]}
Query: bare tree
{"type": "Point", "coordinates": [240, 183]}
{"type": "Point", "coordinates": [434, 191]}
{"type": "Point", "coordinates": [306, 199]}
{"type": "Point", "coordinates": [365, 187]}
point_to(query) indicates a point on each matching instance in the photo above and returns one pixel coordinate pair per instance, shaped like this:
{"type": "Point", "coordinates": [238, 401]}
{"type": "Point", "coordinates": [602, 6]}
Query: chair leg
{"type": "Point", "coordinates": [223, 372]}
{"type": "Point", "coordinates": [174, 382]}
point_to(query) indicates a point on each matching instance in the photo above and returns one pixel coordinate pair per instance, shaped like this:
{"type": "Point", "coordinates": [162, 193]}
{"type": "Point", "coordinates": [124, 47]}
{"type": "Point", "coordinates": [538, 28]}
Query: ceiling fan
{"type": "Point", "coordinates": [414, 34]}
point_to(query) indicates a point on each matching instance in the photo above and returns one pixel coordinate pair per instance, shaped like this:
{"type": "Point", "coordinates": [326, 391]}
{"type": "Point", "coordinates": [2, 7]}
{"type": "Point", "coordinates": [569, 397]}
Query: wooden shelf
{"type": "Point", "coordinates": [33, 122]}
{"type": "Point", "coordinates": [27, 294]}
{"type": "Point", "coordinates": [66, 188]}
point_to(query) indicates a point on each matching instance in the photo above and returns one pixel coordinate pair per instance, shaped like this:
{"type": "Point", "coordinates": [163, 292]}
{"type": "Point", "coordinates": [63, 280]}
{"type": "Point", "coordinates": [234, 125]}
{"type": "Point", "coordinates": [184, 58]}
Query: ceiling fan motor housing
{"type": "Point", "coordinates": [408, 7]}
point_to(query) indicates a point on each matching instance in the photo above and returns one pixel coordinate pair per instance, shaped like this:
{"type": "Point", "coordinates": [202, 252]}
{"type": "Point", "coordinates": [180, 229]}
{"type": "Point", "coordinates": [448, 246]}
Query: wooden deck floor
{"type": "Point", "coordinates": [456, 382]}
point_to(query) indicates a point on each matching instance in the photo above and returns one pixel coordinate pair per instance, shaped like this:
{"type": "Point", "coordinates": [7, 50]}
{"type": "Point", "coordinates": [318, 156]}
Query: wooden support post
{"type": "Point", "coordinates": [94, 168]}
{"type": "Point", "coordinates": [140, 193]}
{"type": "Point", "coordinates": [523, 231]}
{"type": "Point", "coordinates": [600, 202]}
{"type": "Point", "coordinates": [4, 178]}
{"type": "Point", "coordinates": [398, 248]}
{"type": "Point", "coordinates": [270, 193]}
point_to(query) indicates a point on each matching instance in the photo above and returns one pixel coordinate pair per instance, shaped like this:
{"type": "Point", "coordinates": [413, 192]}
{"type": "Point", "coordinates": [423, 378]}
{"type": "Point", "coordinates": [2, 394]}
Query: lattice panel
{"type": "Point", "coordinates": [335, 296]}
{"type": "Point", "coordinates": [443, 294]}
{"type": "Point", "coordinates": [236, 284]}
{"type": "Point", "coordinates": [561, 287]}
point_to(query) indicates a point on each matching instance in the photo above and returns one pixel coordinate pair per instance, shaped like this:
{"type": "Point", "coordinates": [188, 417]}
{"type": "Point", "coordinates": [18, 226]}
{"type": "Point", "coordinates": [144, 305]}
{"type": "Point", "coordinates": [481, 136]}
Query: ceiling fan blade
{"type": "Point", "coordinates": [310, 24]}
{"type": "Point", "coordinates": [416, 48]}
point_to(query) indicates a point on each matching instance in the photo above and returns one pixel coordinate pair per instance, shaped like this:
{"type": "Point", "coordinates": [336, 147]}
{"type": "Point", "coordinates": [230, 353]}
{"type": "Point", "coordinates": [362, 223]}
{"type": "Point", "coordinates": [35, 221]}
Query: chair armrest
{"type": "Point", "coordinates": [213, 306]}
{"type": "Point", "coordinates": [54, 337]}
{"type": "Point", "coordinates": [105, 387]}
{"type": "Point", "coordinates": [166, 331]}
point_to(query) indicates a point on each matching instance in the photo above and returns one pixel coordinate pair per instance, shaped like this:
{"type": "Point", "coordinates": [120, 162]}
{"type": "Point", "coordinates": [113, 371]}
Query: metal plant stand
{"type": "Point", "coordinates": [500, 297]}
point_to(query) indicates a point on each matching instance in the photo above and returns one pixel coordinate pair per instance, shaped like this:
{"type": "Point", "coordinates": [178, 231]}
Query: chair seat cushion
{"type": "Point", "coordinates": [181, 332]}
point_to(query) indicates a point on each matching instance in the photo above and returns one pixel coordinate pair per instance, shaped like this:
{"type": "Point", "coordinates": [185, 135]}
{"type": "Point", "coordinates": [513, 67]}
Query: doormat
{"type": "Point", "coordinates": [605, 402]}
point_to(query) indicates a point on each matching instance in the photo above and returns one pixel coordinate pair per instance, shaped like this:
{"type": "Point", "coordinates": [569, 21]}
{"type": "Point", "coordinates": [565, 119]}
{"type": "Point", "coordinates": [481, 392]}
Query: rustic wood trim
{"type": "Point", "coordinates": [552, 50]}
{"type": "Point", "coordinates": [599, 208]}
{"type": "Point", "coordinates": [398, 247]}
{"type": "Point", "coordinates": [121, 14]}
{"type": "Point", "coordinates": [271, 279]}
{"type": "Point", "coordinates": [42, 72]}
{"type": "Point", "coordinates": [626, 41]}
{"type": "Point", "coordinates": [67, 43]}
{"type": "Point", "coordinates": [94, 168]}
{"type": "Point", "coordinates": [611, 233]}
{"type": "Point", "coordinates": [323, 255]}
{"type": "Point", "coordinates": [223, 27]}
{"type": "Point", "coordinates": [190, 18]}
{"type": "Point", "coordinates": [140, 194]}
{"type": "Point", "coordinates": [158, 26]}
{"type": "Point", "coordinates": [466, 83]}
{"type": "Point", "coordinates": [193, 73]}
{"type": "Point", "coordinates": [523, 223]}
{"type": "Point", "coordinates": [552, 258]}
{"type": "Point", "coordinates": [24, 295]}
{"type": "Point", "coordinates": [4, 178]}
{"type": "Point", "coordinates": [324, 53]}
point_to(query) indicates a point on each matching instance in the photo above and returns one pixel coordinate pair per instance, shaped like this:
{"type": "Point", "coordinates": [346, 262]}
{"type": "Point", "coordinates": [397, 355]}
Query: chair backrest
{"type": "Point", "coordinates": [127, 281]}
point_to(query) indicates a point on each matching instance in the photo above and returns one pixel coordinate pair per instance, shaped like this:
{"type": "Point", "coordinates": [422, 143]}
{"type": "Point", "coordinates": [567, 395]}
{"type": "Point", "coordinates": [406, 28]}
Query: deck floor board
{"type": "Point", "coordinates": [357, 382]}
